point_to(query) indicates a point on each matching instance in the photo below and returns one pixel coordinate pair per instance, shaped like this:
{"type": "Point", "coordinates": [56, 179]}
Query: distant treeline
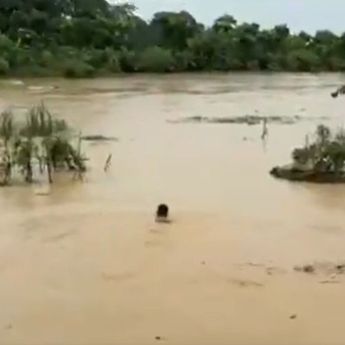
{"type": "Point", "coordinates": [83, 38]}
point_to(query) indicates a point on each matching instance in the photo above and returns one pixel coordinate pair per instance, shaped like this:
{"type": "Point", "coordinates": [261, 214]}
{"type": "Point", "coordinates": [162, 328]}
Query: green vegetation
{"type": "Point", "coordinates": [84, 38]}
{"type": "Point", "coordinates": [41, 141]}
{"type": "Point", "coordinates": [321, 161]}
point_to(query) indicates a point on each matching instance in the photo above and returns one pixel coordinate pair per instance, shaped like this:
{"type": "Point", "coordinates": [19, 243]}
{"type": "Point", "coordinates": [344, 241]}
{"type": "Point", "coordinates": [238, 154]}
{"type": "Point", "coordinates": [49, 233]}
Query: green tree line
{"type": "Point", "coordinates": [83, 38]}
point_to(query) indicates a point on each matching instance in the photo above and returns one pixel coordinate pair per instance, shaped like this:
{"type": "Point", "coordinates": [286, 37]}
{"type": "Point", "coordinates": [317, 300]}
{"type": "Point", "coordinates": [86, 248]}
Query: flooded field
{"type": "Point", "coordinates": [86, 264]}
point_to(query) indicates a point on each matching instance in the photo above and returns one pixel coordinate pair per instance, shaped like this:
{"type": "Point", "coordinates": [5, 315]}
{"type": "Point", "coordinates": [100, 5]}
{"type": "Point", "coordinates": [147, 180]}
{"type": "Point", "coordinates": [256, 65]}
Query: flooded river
{"type": "Point", "coordinates": [87, 265]}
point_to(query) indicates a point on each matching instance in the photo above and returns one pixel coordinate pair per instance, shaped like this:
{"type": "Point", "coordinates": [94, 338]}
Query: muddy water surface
{"type": "Point", "coordinates": [86, 264]}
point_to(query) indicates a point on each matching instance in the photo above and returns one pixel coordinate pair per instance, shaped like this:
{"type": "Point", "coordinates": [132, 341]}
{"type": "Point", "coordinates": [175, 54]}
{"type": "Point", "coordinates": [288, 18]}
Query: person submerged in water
{"type": "Point", "coordinates": [162, 214]}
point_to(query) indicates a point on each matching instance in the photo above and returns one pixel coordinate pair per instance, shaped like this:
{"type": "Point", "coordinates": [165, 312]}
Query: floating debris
{"type": "Point", "coordinates": [340, 268]}
{"type": "Point", "coordinates": [330, 269]}
{"type": "Point", "coordinates": [250, 120]}
{"type": "Point", "coordinates": [98, 137]}
{"type": "Point", "coordinates": [275, 270]}
{"type": "Point", "coordinates": [305, 269]}
{"type": "Point", "coordinates": [246, 283]}
{"type": "Point", "coordinates": [330, 282]}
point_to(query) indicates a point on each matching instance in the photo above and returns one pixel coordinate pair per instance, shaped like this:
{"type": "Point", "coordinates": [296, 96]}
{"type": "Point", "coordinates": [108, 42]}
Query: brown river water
{"type": "Point", "coordinates": [87, 265]}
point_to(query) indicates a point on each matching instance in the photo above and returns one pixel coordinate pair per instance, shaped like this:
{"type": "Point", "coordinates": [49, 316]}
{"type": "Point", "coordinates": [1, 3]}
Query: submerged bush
{"type": "Point", "coordinates": [42, 140]}
{"type": "Point", "coordinates": [325, 154]}
{"type": "Point", "coordinates": [40, 123]}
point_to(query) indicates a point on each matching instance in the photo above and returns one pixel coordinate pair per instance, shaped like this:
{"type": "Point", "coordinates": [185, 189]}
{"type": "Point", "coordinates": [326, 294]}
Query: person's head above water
{"type": "Point", "coordinates": [162, 211]}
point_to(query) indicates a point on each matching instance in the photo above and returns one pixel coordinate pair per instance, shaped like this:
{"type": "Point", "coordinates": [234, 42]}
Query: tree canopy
{"type": "Point", "coordinates": [81, 38]}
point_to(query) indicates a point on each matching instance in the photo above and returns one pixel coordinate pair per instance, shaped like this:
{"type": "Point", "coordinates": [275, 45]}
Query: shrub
{"type": "Point", "coordinates": [47, 59]}
{"type": "Point", "coordinates": [112, 61]}
{"type": "Point", "coordinates": [156, 59]}
{"type": "Point", "coordinates": [128, 61]}
{"type": "Point", "coordinates": [303, 60]}
{"type": "Point", "coordinates": [78, 69]}
{"type": "Point", "coordinates": [4, 66]}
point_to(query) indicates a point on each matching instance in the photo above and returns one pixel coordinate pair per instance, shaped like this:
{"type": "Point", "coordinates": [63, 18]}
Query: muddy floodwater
{"type": "Point", "coordinates": [87, 265]}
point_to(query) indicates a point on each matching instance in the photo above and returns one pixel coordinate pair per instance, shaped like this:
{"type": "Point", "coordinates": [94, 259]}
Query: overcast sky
{"type": "Point", "coordinates": [309, 15]}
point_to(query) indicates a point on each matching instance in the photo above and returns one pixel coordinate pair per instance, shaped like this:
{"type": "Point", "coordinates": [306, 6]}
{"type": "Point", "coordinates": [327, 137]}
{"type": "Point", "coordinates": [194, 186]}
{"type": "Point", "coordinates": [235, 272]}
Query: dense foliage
{"type": "Point", "coordinates": [81, 38]}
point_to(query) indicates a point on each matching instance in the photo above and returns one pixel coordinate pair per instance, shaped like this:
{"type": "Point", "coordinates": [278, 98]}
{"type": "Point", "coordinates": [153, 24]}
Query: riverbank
{"type": "Point", "coordinates": [104, 74]}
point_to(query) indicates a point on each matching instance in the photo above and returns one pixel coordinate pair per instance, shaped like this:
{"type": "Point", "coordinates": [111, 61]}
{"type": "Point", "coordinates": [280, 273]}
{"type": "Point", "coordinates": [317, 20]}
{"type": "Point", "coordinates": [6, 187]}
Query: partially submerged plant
{"type": "Point", "coordinates": [40, 123]}
{"type": "Point", "coordinates": [321, 161]}
{"type": "Point", "coordinates": [325, 154]}
{"type": "Point", "coordinates": [6, 126]}
{"type": "Point", "coordinates": [41, 140]}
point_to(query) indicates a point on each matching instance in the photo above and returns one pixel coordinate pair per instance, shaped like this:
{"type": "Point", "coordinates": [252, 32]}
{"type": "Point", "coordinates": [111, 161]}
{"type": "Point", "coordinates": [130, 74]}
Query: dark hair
{"type": "Point", "coordinates": [162, 211]}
